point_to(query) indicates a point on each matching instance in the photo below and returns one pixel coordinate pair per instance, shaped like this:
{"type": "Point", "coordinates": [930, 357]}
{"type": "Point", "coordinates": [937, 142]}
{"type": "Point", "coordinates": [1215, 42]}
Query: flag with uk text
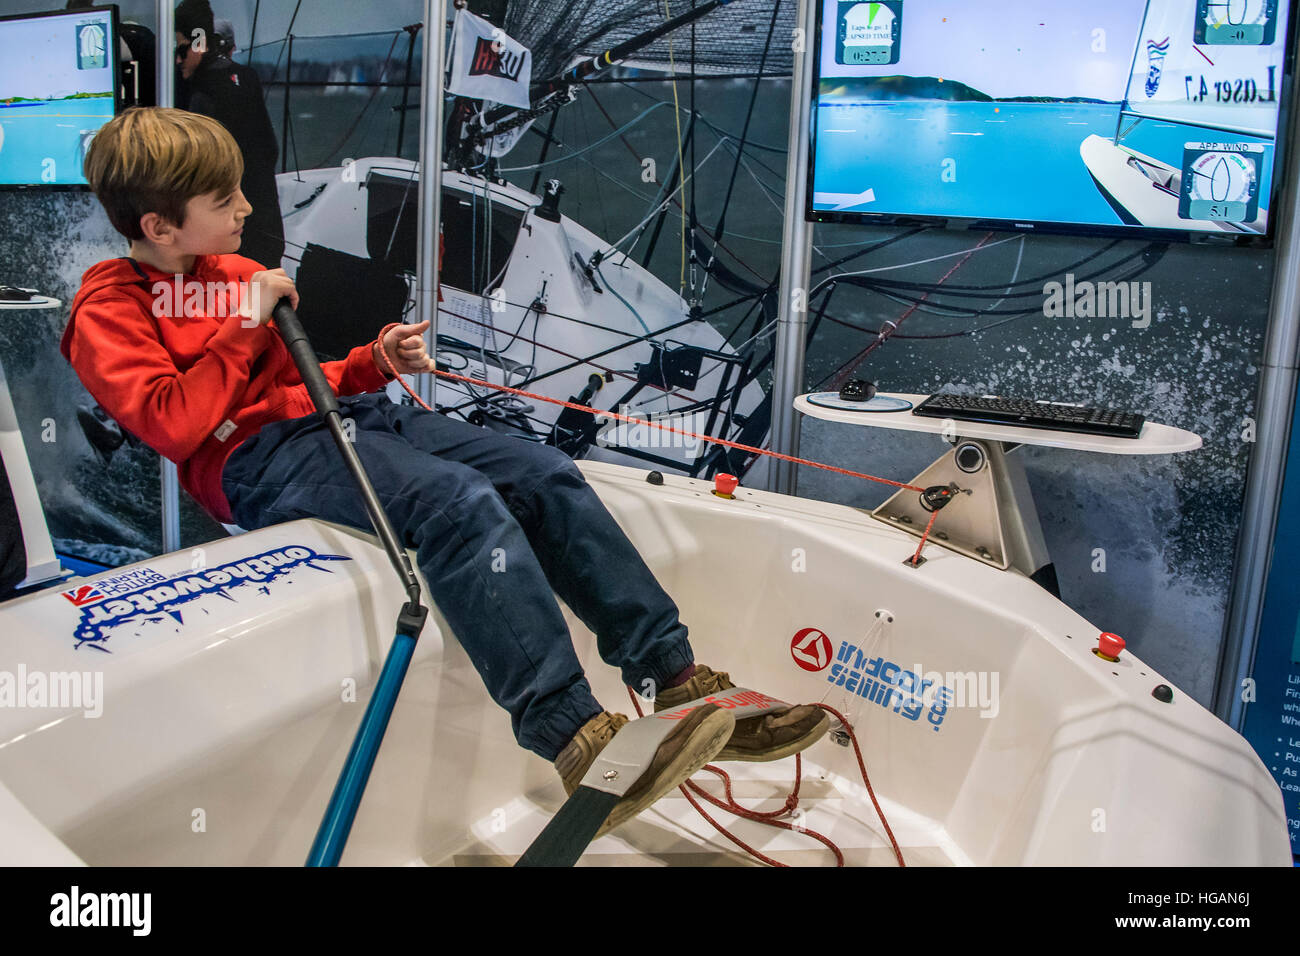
{"type": "Point", "coordinates": [486, 64]}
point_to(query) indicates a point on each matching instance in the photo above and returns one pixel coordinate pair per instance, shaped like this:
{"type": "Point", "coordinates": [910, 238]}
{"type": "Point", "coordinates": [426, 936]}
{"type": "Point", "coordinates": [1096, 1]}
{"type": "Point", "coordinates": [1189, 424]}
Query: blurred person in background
{"type": "Point", "coordinates": [213, 84]}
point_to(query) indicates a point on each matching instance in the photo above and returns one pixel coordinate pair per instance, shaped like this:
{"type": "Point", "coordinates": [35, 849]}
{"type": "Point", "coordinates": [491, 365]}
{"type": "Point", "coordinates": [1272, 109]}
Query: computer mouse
{"type": "Point", "coordinates": [858, 390]}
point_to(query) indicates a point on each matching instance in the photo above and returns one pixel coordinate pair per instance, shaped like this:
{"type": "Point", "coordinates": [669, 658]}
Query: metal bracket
{"type": "Point", "coordinates": [994, 521]}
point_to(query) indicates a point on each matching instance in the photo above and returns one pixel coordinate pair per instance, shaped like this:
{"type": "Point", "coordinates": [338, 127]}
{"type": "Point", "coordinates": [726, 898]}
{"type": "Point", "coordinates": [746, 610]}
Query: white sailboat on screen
{"type": "Point", "coordinates": [1212, 67]}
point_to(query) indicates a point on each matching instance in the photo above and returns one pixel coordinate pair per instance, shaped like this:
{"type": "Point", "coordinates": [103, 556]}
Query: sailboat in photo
{"type": "Point", "coordinates": [1209, 69]}
{"type": "Point", "coordinates": [530, 298]}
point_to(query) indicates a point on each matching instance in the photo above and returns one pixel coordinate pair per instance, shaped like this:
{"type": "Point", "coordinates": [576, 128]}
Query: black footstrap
{"type": "Point", "coordinates": [566, 837]}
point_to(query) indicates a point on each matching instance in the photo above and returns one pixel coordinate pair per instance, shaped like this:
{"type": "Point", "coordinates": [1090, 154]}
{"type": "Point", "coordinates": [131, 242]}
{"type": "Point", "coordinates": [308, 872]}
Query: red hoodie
{"type": "Point", "coordinates": [191, 388]}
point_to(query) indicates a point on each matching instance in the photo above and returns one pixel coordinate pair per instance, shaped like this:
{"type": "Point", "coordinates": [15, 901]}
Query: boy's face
{"type": "Point", "coordinates": [213, 224]}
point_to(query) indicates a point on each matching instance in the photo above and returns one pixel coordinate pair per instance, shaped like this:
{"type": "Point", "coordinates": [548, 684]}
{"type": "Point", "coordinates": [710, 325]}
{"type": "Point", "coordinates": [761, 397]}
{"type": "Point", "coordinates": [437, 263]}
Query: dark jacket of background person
{"type": "Point", "coordinates": [231, 93]}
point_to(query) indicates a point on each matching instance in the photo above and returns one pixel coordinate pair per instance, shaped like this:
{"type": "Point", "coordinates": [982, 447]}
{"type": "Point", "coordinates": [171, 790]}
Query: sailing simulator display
{"type": "Point", "coordinates": [58, 85]}
{"type": "Point", "coordinates": [1110, 116]}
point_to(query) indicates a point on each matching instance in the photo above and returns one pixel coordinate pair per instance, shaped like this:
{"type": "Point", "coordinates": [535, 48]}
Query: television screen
{"type": "Point", "coordinates": [58, 85]}
{"type": "Point", "coordinates": [1110, 115]}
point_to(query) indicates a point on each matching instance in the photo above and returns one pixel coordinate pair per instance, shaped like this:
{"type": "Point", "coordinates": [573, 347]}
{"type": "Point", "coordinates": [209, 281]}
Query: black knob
{"type": "Point", "coordinates": [1163, 693]}
{"type": "Point", "coordinates": [655, 478]}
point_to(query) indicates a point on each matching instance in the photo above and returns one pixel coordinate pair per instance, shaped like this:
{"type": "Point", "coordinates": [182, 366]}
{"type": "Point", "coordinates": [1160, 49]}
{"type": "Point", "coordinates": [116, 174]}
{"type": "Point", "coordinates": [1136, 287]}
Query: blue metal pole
{"type": "Point", "coordinates": [333, 832]}
{"type": "Point", "coordinates": [337, 822]}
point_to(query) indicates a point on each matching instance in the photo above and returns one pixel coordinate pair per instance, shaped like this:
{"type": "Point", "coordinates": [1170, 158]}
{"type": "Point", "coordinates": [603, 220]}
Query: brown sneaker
{"type": "Point", "coordinates": [781, 732]}
{"type": "Point", "coordinates": [695, 741]}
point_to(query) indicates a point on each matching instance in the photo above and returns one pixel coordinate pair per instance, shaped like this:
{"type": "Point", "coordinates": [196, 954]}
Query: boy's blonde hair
{"type": "Point", "coordinates": [156, 159]}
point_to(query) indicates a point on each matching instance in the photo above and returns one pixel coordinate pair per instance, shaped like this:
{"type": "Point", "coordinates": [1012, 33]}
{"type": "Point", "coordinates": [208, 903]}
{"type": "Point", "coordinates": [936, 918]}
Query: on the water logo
{"type": "Point", "coordinates": [492, 58]}
{"type": "Point", "coordinates": [1156, 53]}
{"type": "Point", "coordinates": [131, 910]}
{"type": "Point", "coordinates": [92, 51]}
{"type": "Point", "coordinates": [153, 601]}
{"type": "Point", "coordinates": [811, 649]}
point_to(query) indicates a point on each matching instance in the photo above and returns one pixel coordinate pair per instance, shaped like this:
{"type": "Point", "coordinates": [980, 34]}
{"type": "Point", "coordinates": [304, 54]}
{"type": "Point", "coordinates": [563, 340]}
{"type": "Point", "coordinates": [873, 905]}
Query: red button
{"type": "Point", "coordinates": [724, 485]}
{"type": "Point", "coordinates": [1110, 645]}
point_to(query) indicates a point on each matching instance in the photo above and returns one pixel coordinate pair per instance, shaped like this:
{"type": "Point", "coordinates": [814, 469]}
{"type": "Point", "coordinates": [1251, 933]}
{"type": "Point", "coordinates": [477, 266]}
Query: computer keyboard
{"type": "Point", "coordinates": [995, 410]}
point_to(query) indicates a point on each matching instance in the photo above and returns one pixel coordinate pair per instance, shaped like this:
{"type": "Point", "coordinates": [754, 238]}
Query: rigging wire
{"type": "Point", "coordinates": [681, 161]}
{"type": "Point", "coordinates": [721, 228]}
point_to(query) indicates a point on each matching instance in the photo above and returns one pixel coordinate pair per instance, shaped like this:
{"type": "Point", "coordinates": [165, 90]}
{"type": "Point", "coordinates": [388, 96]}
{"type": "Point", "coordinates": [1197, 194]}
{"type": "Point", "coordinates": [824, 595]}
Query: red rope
{"type": "Point", "coordinates": [769, 817]}
{"type": "Point", "coordinates": [917, 557]}
{"type": "Point", "coordinates": [627, 418]}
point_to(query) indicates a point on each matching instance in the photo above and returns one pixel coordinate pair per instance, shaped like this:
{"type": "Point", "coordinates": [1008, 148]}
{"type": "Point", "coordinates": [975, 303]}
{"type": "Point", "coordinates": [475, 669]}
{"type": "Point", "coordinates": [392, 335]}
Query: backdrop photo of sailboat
{"type": "Point", "coordinates": [1211, 68]}
{"type": "Point", "coordinates": [532, 299]}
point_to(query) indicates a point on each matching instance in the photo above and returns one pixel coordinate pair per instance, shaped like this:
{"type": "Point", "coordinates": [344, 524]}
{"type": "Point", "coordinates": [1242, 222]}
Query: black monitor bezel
{"type": "Point", "coordinates": [114, 58]}
{"type": "Point", "coordinates": [1282, 157]}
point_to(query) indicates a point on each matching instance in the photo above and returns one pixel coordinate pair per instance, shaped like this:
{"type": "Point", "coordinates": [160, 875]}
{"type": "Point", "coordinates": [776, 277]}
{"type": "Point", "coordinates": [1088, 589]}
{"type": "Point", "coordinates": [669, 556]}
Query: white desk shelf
{"type": "Point", "coordinates": [993, 519]}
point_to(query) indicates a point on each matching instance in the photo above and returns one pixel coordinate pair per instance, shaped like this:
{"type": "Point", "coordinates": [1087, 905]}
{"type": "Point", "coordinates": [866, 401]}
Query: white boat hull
{"type": "Point", "coordinates": [1136, 197]}
{"type": "Point", "coordinates": [327, 207]}
{"type": "Point", "coordinates": [222, 732]}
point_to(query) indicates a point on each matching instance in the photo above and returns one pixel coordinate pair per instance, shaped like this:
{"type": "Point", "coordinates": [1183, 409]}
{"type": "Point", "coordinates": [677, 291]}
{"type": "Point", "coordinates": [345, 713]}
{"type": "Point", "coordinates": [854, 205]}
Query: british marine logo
{"type": "Point", "coordinates": [84, 595]}
{"type": "Point", "coordinates": [811, 649]}
{"type": "Point", "coordinates": [492, 59]}
{"type": "Point", "coordinates": [114, 585]}
{"type": "Point", "coordinates": [127, 602]}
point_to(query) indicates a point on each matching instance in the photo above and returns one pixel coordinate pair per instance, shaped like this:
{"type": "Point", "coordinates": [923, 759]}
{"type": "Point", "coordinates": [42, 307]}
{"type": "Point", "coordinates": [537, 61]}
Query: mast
{"type": "Point", "coordinates": [1137, 50]}
{"type": "Point", "coordinates": [170, 505]}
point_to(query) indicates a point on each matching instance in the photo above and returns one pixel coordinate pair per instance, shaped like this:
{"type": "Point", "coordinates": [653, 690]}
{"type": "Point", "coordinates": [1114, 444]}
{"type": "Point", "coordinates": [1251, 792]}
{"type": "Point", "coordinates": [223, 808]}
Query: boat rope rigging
{"type": "Point", "coordinates": [605, 413]}
{"type": "Point", "coordinates": [720, 229]}
{"type": "Point", "coordinates": [771, 818]}
{"type": "Point", "coordinates": [844, 371]}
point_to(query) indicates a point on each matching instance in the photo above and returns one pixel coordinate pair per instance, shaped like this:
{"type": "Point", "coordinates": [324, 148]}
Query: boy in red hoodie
{"type": "Point", "coordinates": [173, 342]}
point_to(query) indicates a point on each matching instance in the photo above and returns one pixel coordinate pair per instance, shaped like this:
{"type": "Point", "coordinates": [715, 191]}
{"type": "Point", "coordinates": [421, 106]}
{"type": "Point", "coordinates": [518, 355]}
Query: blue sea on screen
{"type": "Point", "coordinates": [1010, 161]}
{"type": "Point", "coordinates": [36, 132]}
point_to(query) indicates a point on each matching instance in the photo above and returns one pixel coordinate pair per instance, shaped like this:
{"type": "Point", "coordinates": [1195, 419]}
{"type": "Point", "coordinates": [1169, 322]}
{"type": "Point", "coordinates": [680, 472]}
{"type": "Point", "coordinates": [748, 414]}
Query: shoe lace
{"type": "Point", "coordinates": [609, 725]}
{"type": "Point", "coordinates": [716, 681]}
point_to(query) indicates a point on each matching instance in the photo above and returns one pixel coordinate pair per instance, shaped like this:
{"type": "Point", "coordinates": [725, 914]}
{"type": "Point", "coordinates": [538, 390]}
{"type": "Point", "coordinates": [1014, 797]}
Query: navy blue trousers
{"type": "Point", "coordinates": [500, 526]}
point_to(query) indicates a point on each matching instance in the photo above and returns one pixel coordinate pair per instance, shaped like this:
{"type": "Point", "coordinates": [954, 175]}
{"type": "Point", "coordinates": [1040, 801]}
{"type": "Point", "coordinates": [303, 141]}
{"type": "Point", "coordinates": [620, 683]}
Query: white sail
{"type": "Point", "coordinates": [1231, 86]}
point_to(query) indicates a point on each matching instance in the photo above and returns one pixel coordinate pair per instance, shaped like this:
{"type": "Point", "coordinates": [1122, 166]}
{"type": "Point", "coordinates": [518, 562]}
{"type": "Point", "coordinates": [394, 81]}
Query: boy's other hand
{"type": "Point", "coordinates": [404, 345]}
{"type": "Point", "coordinates": [266, 289]}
